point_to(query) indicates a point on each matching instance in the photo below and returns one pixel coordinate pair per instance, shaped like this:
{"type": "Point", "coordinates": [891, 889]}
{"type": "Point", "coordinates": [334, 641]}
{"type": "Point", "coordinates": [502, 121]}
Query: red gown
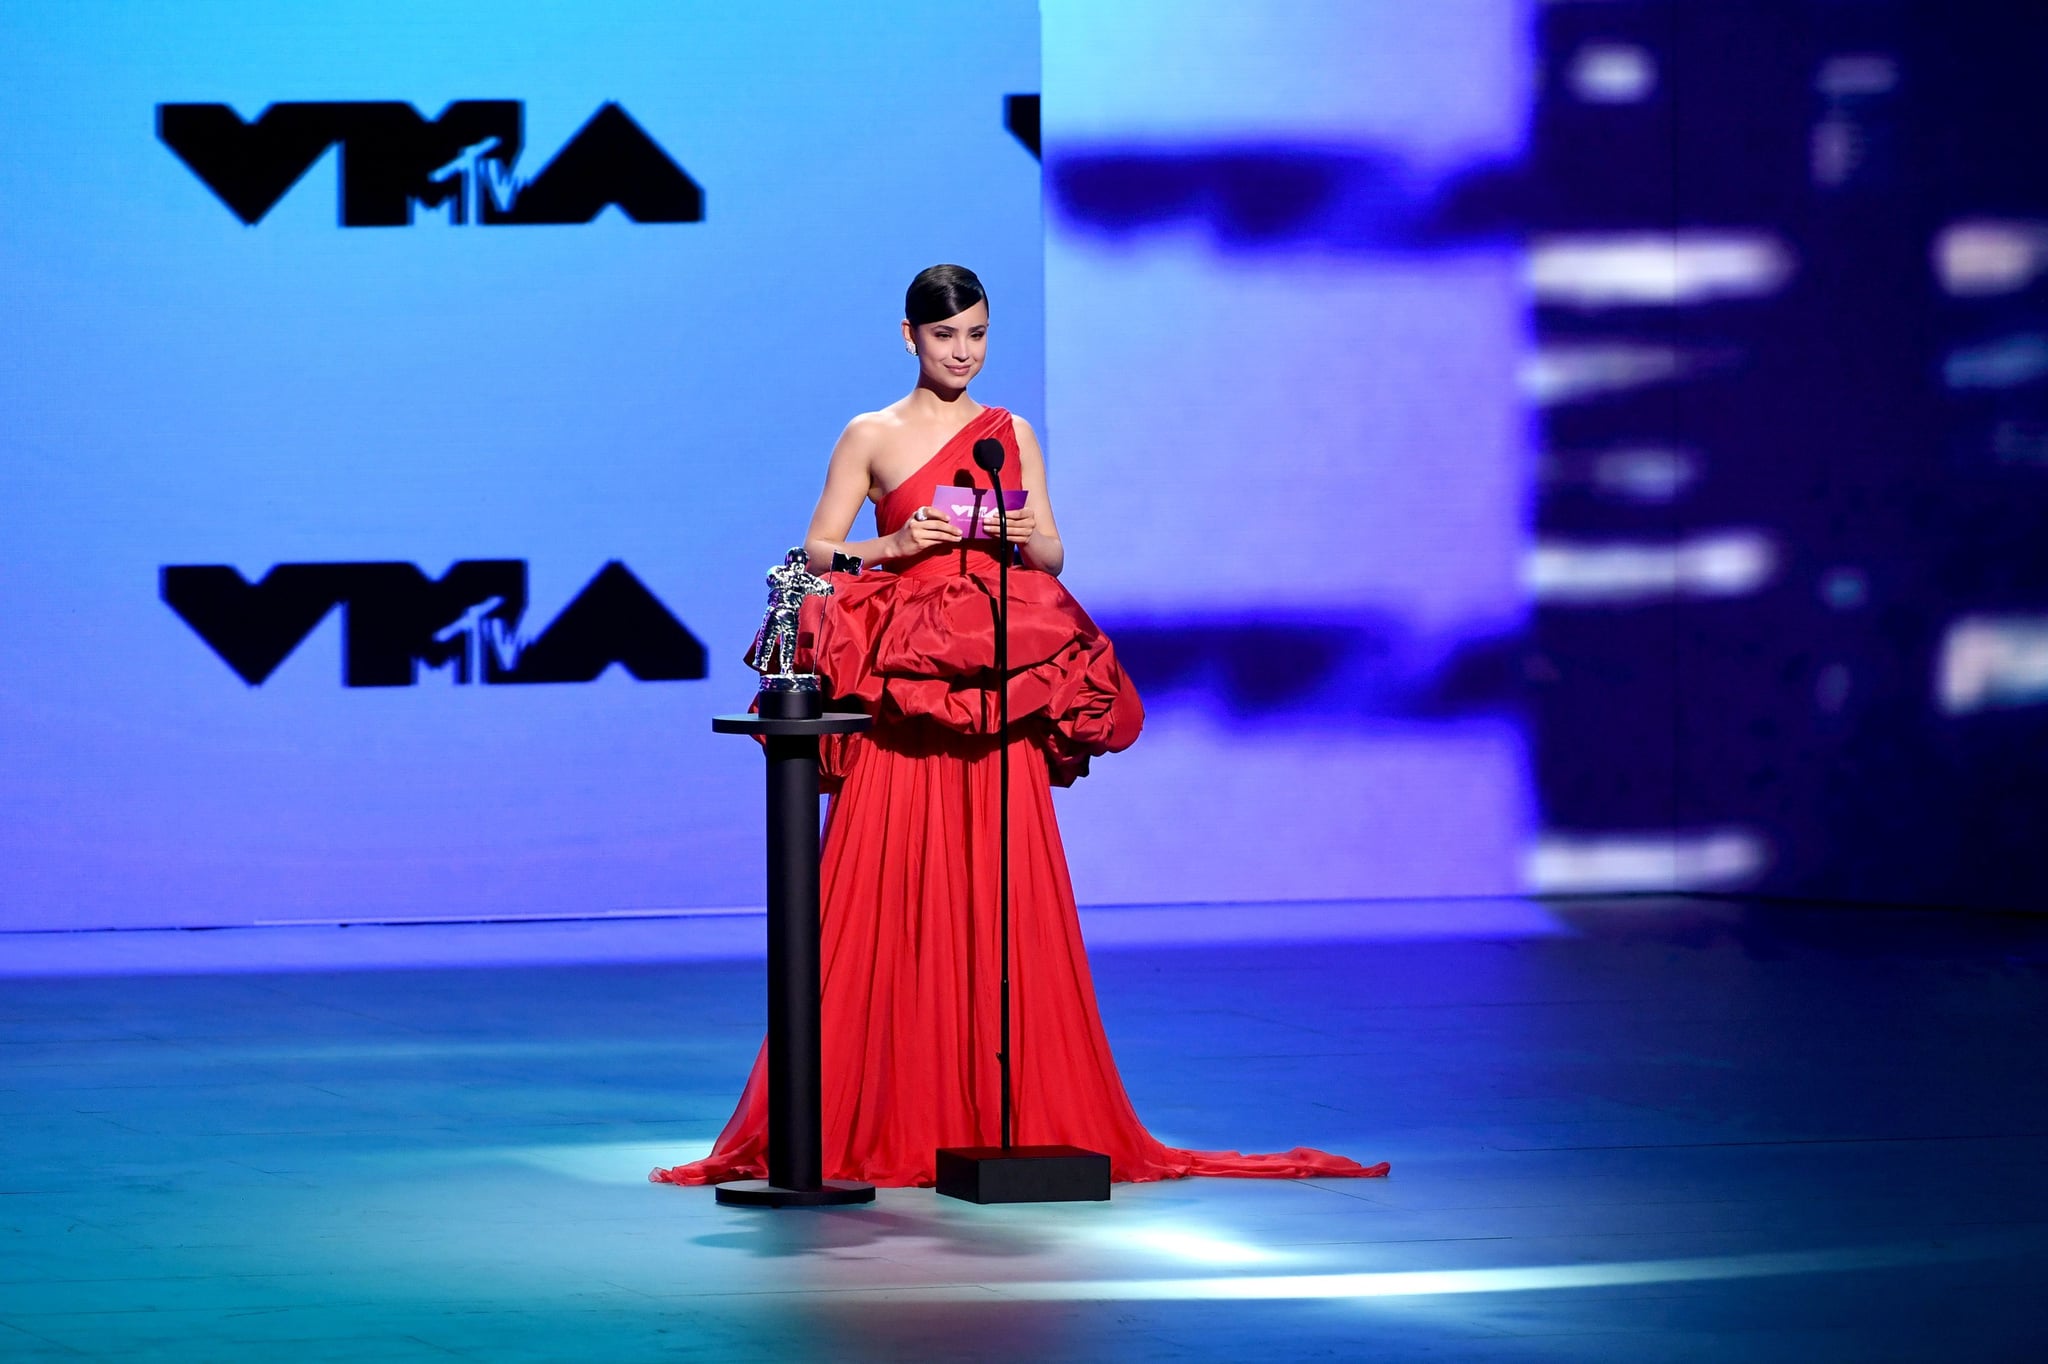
{"type": "Point", "coordinates": [909, 893]}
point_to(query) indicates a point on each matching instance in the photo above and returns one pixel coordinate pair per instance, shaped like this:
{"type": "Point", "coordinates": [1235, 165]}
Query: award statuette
{"type": "Point", "coordinates": [774, 652]}
{"type": "Point", "coordinates": [789, 716]}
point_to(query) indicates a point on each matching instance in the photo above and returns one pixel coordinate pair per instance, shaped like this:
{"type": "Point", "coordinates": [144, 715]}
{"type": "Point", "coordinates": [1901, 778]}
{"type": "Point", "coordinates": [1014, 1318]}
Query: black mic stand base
{"type": "Point", "coordinates": [1023, 1174]}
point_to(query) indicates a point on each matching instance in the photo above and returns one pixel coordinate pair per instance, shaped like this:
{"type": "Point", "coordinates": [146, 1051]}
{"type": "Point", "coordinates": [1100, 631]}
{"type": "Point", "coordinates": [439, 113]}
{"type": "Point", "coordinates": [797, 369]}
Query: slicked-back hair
{"type": "Point", "coordinates": [940, 292]}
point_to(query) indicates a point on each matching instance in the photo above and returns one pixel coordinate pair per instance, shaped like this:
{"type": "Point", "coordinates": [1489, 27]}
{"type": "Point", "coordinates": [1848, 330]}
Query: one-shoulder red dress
{"type": "Point", "coordinates": [908, 886]}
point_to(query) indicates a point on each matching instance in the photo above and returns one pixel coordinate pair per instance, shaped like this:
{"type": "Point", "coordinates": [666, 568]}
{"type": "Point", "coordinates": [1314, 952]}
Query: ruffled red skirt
{"type": "Point", "coordinates": [909, 890]}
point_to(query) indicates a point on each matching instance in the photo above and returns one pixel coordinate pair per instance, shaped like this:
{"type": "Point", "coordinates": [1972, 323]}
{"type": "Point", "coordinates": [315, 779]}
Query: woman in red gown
{"type": "Point", "coordinates": [909, 893]}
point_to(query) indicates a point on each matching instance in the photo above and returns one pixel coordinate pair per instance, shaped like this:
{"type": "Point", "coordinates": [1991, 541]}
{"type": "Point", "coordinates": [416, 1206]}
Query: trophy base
{"type": "Point", "coordinates": [788, 703]}
{"type": "Point", "coordinates": [789, 682]}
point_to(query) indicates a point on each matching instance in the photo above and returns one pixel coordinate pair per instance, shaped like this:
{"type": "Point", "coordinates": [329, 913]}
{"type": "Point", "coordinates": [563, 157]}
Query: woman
{"type": "Point", "coordinates": [909, 892]}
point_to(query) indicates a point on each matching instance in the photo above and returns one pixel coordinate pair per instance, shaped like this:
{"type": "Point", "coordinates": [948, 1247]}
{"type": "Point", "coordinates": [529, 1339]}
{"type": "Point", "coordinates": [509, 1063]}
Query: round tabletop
{"type": "Point", "coordinates": [832, 722]}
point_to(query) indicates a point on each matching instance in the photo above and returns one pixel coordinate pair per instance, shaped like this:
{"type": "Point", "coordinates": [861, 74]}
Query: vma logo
{"type": "Point", "coordinates": [465, 161]}
{"type": "Point", "coordinates": [467, 620]}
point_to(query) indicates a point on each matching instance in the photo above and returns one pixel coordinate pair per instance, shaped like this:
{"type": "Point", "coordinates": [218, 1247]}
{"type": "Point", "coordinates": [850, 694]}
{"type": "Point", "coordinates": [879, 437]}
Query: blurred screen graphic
{"type": "Point", "coordinates": [1254, 314]}
{"type": "Point", "coordinates": [1571, 447]}
{"type": "Point", "coordinates": [1597, 446]}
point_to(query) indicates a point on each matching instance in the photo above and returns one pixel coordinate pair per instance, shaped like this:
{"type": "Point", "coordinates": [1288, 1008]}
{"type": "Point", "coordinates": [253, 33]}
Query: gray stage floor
{"type": "Point", "coordinates": [1674, 1131]}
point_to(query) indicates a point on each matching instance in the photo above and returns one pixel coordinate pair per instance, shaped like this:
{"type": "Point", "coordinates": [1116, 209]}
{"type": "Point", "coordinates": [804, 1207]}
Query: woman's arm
{"type": "Point", "coordinates": [848, 477]}
{"type": "Point", "coordinates": [1034, 529]}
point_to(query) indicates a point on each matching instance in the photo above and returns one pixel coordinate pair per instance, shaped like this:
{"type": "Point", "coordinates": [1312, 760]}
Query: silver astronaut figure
{"type": "Point", "coordinates": [774, 652]}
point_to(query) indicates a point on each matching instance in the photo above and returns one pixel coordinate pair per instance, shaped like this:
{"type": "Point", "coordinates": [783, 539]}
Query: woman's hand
{"type": "Point", "coordinates": [926, 527]}
{"type": "Point", "coordinates": [1020, 524]}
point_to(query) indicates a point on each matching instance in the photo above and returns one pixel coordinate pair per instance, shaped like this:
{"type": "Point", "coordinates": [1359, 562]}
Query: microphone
{"type": "Point", "coordinates": [988, 453]}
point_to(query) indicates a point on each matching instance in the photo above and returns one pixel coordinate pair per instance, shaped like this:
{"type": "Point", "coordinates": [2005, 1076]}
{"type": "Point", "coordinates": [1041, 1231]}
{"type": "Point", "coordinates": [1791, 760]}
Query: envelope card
{"type": "Point", "coordinates": [965, 507]}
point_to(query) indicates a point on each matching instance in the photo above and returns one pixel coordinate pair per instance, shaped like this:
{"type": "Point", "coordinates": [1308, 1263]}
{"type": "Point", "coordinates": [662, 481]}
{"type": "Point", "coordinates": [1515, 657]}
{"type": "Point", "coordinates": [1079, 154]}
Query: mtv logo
{"type": "Point", "coordinates": [465, 160]}
{"type": "Point", "coordinates": [396, 618]}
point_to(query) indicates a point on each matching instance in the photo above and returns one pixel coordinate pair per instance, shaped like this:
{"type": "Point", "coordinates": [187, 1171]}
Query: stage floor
{"type": "Point", "coordinates": [1641, 1131]}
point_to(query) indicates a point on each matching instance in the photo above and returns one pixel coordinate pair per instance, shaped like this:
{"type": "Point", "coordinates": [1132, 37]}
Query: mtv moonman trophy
{"type": "Point", "coordinates": [789, 716]}
{"type": "Point", "coordinates": [774, 653]}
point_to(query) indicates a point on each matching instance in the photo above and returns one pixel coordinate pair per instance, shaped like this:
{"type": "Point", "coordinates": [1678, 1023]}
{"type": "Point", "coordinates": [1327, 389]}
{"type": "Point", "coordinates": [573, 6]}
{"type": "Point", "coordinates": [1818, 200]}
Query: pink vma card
{"type": "Point", "coordinates": [964, 507]}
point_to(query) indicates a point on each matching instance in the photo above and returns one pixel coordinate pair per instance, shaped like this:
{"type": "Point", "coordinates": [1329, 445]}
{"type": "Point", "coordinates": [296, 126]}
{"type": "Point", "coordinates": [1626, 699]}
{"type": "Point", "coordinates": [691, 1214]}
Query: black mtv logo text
{"type": "Point", "coordinates": [467, 620]}
{"type": "Point", "coordinates": [466, 160]}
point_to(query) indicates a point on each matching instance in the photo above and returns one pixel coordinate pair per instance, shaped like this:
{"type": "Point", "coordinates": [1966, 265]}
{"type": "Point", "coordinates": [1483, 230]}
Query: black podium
{"type": "Point", "coordinates": [791, 723]}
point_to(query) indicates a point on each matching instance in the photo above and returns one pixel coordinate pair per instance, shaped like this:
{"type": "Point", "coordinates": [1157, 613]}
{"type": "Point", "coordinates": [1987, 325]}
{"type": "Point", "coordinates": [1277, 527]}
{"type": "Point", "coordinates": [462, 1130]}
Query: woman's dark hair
{"type": "Point", "coordinates": [940, 292]}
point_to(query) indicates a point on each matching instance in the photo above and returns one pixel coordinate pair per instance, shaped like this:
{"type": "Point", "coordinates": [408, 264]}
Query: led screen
{"type": "Point", "coordinates": [509, 342]}
{"type": "Point", "coordinates": [1292, 460]}
{"type": "Point", "coordinates": [1581, 447]}
{"type": "Point", "coordinates": [1570, 447]}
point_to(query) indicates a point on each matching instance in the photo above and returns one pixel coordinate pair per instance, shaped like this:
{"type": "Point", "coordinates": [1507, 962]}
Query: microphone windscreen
{"type": "Point", "coordinates": [988, 453]}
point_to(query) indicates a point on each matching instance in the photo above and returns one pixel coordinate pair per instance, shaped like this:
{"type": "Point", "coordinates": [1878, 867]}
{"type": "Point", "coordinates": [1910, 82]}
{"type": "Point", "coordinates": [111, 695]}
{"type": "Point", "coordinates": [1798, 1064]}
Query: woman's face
{"type": "Point", "coordinates": [950, 352]}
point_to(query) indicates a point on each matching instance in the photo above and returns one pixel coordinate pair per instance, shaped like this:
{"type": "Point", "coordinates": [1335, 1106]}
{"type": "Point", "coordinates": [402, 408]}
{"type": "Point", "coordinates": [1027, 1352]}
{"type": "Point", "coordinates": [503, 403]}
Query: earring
{"type": "Point", "coordinates": [910, 350]}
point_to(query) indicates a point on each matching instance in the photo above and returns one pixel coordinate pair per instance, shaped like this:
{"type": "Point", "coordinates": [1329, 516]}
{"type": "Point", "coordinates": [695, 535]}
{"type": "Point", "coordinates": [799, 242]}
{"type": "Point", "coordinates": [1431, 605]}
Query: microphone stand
{"type": "Point", "coordinates": [1003, 552]}
{"type": "Point", "coordinates": [1010, 1173]}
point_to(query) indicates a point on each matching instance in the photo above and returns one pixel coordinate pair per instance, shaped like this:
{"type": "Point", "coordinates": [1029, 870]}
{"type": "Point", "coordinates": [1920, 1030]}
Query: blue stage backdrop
{"type": "Point", "coordinates": [1291, 455]}
{"type": "Point", "coordinates": [1516, 446]}
{"type": "Point", "coordinates": [403, 403]}
{"type": "Point", "coordinates": [1595, 445]}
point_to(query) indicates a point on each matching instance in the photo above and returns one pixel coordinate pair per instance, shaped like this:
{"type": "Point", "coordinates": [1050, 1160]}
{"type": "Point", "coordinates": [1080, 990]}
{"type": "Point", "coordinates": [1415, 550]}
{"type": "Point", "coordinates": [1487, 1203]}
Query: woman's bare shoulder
{"type": "Point", "coordinates": [876, 426]}
{"type": "Point", "coordinates": [868, 432]}
{"type": "Point", "coordinates": [1027, 439]}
